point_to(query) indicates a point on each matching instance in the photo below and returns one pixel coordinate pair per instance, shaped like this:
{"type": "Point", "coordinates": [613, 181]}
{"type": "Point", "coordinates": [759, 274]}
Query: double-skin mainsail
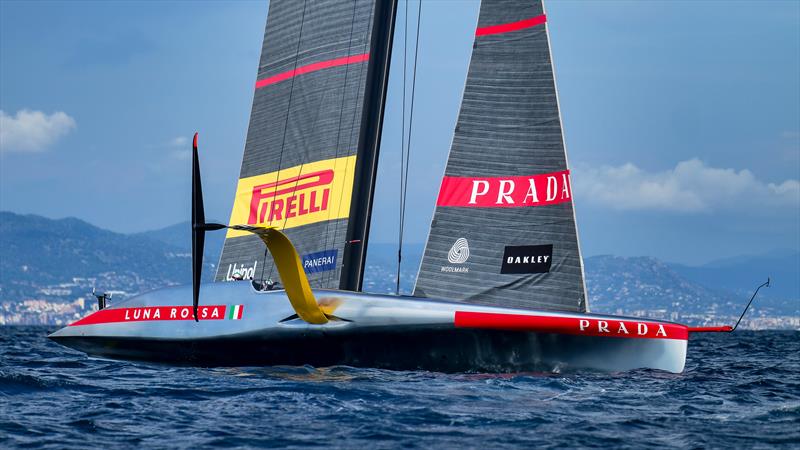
{"type": "Point", "coordinates": [503, 231]}
{"type": "Point", "coordinates": [312, 142]}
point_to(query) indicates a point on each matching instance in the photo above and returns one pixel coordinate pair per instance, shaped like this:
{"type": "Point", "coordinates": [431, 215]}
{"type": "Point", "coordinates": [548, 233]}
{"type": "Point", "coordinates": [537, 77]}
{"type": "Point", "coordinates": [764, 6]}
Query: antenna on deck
{"type": "Point", "coordinates": [728, 328]}
{"type": "Point", "coordinates": [749, 303]}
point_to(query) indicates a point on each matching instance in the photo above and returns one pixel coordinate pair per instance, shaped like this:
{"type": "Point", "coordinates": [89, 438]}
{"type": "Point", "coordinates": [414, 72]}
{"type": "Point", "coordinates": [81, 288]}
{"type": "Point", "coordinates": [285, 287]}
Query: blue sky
{"type": "Point", "coordinates": [682, 119]}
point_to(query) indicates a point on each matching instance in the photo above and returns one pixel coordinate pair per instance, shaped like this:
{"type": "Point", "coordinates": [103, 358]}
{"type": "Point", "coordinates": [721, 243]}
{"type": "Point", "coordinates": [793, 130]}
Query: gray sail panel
{"type": "Point", "coordinates": [300, 152]}
{"type": "Point", "coordinates": [503, 232]}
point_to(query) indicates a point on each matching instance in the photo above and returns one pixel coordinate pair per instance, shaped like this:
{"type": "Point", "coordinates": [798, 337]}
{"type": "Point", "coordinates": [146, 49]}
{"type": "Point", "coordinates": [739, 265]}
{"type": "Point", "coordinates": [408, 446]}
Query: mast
{"type": "Point", "coordinates": [355, 250]}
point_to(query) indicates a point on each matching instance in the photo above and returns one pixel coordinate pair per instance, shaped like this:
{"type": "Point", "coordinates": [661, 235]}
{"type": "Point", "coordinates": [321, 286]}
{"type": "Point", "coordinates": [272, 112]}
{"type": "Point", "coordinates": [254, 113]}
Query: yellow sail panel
{"type": "Point", "coordinates": [295, 196]}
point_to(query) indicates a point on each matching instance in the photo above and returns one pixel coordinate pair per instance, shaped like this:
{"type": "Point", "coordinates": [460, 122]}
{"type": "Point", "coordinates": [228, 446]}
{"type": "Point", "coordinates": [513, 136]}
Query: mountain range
{"type": "Point", "coordinates": [55, 260]}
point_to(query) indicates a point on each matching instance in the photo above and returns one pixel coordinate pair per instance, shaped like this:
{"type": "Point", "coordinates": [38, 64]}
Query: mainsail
{"type": "Point", "coordinates": [503, 232]}
{"type": "Point", "coordinates": [309, 159]}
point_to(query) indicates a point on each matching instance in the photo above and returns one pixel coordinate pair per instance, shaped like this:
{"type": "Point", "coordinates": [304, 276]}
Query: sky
{"type": "Point", "coordinates": [681, 119]}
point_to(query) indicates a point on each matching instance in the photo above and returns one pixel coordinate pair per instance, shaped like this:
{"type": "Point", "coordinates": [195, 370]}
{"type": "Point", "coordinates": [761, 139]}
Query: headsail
{"type": "Point", "coordinates": [503, 232]}
{"type": "Point", "coordinates": [313, 135]}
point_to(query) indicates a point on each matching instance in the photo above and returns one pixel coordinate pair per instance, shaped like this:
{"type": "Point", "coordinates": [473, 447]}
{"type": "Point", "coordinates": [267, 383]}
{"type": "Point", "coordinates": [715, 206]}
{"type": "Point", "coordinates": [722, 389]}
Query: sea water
{"type": "Point", "coordinates": [738, 390]}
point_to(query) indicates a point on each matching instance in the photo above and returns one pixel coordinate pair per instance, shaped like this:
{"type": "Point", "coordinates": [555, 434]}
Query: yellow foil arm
{"type": "Point", "coordinates": [290, 269]}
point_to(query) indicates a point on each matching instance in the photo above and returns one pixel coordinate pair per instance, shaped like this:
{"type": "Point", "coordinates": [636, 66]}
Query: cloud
{"type": "Point", "coordinates": [691, 186]}
{"type": "Point", "coordinates": [32, 131]}
{"type": "Point", "coordinates": [179, 141]}
{"type": "Point", "coordinates": [179, 148]}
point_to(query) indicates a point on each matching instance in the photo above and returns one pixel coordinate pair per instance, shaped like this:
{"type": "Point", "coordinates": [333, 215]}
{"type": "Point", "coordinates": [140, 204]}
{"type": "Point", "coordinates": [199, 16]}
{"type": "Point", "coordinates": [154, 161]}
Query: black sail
{"type": "Point", "coordinates": [503, 232]}
{"type": "Point", "coordinates": [318, 102]}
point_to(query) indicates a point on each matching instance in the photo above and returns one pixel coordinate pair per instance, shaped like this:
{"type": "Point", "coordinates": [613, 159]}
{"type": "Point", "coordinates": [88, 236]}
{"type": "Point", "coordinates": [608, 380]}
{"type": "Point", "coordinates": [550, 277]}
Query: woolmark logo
{"type": "Point", "coordinates": [459, 252]}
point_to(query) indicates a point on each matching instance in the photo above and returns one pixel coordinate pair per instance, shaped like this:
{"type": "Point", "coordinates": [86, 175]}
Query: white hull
{"type": "Point", "coordinates": [241, 326]}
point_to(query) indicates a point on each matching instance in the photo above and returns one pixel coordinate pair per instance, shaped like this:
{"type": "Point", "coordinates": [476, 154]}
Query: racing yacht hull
{"type": "Point", "coordinates": [241, 326]}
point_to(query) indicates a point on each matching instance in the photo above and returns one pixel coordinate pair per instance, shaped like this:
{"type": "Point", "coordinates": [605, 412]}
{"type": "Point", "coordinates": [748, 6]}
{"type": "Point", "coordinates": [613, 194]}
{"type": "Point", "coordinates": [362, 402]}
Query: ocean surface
{"type": "Point", "coordinates": [740, 390]}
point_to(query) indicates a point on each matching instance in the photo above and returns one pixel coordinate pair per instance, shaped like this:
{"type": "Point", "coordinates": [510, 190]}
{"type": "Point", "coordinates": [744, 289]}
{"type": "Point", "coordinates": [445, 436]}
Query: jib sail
{"type": "Point", "coordinates": [308, 164]}
{"type": "Point", "coordinates": [503, 232]}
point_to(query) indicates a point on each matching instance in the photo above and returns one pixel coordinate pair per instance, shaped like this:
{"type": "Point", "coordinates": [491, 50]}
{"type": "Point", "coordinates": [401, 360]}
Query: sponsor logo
{"type": "Point", "coordinates": [458, 254]}
{"type": "Point", "coordinates": [527, 259]}
{"type": "Point", "coordinates": [295, 196]}
{"type": "Point", "coordinates": [241, 272]}
{"type": "Point", "coordinates": [571, 325]}
{"type": "Point", "coordinates": [235, 312]}
{"type": "Point", "coordinates": [151, 313]}
{"type": "Point", "coordinates": [304, 192]}
{"type": "Point", "coordinates": [320, 261]}
{"type": "Point", "coordinates": [506, 192]}
{"type": "Point", "coordinates": [619, 328]}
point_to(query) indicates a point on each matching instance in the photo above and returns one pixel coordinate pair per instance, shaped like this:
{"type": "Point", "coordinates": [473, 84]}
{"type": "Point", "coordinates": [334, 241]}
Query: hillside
{"type": "Point", "coordinates": [639, 285]}
{"type": "Point", "coordinates": [40, 258]}
{"type": "Point", "coordinates": [45, 263]}
{"type": "Point", "coordinates": [740, 274]}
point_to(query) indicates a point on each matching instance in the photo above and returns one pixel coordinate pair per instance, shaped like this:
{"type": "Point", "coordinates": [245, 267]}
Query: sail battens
{"type": "Point", "coordinates": [513, 26]}
{"type": "Point", "coordinates": [506, 194]}
{"type": "Point", "coordinates": [301, 157]}
{"type": "Point", "coordinates": [354, 59]}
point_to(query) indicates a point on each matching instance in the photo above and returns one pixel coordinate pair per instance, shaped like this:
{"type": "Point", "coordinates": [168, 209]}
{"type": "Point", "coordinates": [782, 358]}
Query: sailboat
{"type": "Point", "coordinates": [501, 284]}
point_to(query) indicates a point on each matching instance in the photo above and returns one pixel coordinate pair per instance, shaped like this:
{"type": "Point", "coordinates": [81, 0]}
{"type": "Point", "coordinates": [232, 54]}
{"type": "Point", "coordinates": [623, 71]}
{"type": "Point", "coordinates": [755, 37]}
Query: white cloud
{"type": "Point", "coordinates": [179, 148]}
{"type": "Point", "coordinates": [691, 186]}
{"type": "Point", "coordinates": [179, 141]}
{"type": "Point", "coordinates": [172, 153]}
{"type": "Point", "coordinates": [32, 131]}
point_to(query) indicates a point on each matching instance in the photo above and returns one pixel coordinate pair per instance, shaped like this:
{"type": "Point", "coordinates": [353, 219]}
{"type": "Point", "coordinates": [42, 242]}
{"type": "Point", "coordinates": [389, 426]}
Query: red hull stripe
{"type": "Point", "coordinates": [153, 313]}
{"type": "Point", "coordinates": [588, 326]}
{"type": "Point", "coordinates": [720, 329]}
{"type": "Point", "coordinates": [354, 59]}
{"type": "Point", "coordinates": [513, 26]}
{"type": "Point", "coordinates": [505, 192]}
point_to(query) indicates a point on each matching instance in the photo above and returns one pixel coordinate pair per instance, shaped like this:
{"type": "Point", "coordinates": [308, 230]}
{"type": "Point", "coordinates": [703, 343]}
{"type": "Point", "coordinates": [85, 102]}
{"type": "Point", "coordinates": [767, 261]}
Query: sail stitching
{"type": "Point", "coordinates": [339, 132]}
{"type": "Point", "coordinates": [585, 298]}
{"type": "Point", "coordinates": [316, 123]}
{"type": "Point", "coordinates": [508, 127]}
{"type": "Point", "coordinates": [289, 109]}
{"type": "Point", "coordinates": [352, 126]}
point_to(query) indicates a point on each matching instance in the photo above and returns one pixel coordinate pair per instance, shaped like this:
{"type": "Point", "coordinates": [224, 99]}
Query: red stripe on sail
{"type": "Point", "coordinates": [587, 326]}
{"type": "Point", "coordinates": [513, 26]}
{"type": "Point", "coordinates": [153, 313]}
{"type": "Point", "coordinates": [345, 60]}
{"type": "Point", "coordinates": [506, 192]}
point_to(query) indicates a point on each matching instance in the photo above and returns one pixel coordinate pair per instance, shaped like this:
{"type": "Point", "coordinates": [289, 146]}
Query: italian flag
{"type": "Point", "coordinates": [236, 312]}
